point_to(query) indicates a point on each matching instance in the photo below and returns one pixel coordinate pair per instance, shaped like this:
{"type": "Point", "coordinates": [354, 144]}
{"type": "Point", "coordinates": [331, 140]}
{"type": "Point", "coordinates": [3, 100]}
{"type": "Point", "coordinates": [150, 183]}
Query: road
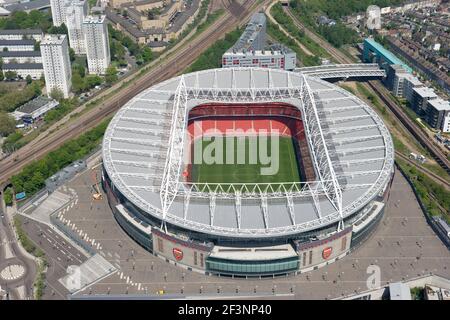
{"type": "Point", "coordinates": [59, 253]}
{"type": "Point", "coordinates": [11, 254]}
{"type": "Point", "coordinates": [174, 64]}
{"type": "Point", "coordinates": [379, 89]}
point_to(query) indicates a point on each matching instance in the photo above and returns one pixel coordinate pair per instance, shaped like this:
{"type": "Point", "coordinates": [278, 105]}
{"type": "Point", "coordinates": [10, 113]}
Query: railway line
{"type": "Point", "coordinates": [375, 86]}
{"type": "Point", "coordinates": [428, 172]}
{"type": "Point", "coordinates": [167, 69]}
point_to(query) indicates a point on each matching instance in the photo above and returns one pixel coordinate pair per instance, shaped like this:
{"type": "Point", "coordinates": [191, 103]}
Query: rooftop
{"type": "Point", "coordinates": [94, 19]}
{"type": "Point", "coordinates": [425, 92]}
{"type": "Point", "coordinates": [399, 291]}
{"type": "Point", "coordinates": [28, 6]}
{"type": "Point", "coordinates": [53, 39]}
{"type": "Point", "coordinates": [20, 53]}
{"type": "Point", "coordinates": [254, 27]}
{"type": "Point", "coordinates": [129, 26]}
{"type": "Point", "coordinates": [34, 104]}
{"type": "Point", "coordinates": [22, 66]}
{"type": "Point", "coordinates": [414, 80]}
{"type": "Point", "coordinates": [254, 254]}
{"type": "Point", "coordinates": [20, 31]}
{"type": "Point", "coordinates": [440, 104]}
{"type": "Point", "coordinates": [22, 42]}
{"type": "Point", "coordinates": [183, 16]}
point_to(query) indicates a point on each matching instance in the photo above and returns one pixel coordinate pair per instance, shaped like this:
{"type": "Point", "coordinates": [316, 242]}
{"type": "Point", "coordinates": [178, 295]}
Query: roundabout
{"type": "Point", "coordinates": [12, 272]}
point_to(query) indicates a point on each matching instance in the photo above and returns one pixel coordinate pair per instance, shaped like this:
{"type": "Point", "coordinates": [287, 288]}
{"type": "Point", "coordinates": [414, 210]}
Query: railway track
{"type": "Point", "coordinates": [409, 125]}
{"type": "Point", "coordinates": [417, 132]}
{"type": "Point", "coordinates": [169, 68]}
{"type": "Point", "coordinates": [430, 173]}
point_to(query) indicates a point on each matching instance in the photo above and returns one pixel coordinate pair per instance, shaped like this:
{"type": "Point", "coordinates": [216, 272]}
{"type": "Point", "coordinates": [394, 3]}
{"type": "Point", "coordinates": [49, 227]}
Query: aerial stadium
{"type": "Point", "coordinates": [242, 215]}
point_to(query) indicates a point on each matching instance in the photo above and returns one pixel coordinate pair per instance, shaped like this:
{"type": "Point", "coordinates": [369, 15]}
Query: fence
{"type": "Point", "coordinates": [70, 233]}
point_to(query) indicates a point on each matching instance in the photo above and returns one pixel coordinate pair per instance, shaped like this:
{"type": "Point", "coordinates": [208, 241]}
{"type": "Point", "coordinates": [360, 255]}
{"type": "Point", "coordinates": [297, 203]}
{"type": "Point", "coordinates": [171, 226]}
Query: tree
{"type": "Point", "coordinates": [78, 68]}
{"type": "Point", "coordinates": [77, 83]}
{"type": "Point", "coordinates": [8, 196]}
{"type": "Point", "coordinates": [147, 54]}
{"type": "Point", "coordinates": [29, 79]}
{"type": "Point", "coordinates": [62, 29]}
{"type": "Point", "coordinates": [10, 75]}
{"type": "Point", "coordinates": [7, 124]}
{"type": "Point", "coordinates": [72, 55]}
{"type": "Point", "coordinates": [57, 94]}
{"type": "Point", "coordinates": [1, 75]}
{"type": "Point", "coordinates": [92, 80]}
{"type": "Point", "coordinates": [111, 75]}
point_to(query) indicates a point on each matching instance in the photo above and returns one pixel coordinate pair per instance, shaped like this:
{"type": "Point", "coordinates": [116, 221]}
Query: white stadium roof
{"type": "Point", "coordinates": [350, 147]}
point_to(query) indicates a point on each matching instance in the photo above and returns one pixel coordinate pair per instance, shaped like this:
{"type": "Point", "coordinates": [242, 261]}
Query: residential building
{"type": "Point", "coordinates": [76, 11]}
{"type": "Point", "coordinates": [97, 44]}
{"type": "Point", "coordinates": [56, 62]}
{"type": "Point", "coordinates": [254, 35]}
{"type": "Point", "coordinates": [20, 34]}
{"type": "Point", "coordinates": [420, 98]}
{"type": "Point", "coordinates": [58, 8]}
{"type": "Point", "coordinates": [251, 50]}
{"type": "Point", "coordinates": [21, 56]}
{"type": "Point", "coordinates": [276, 57]}
{"type": "Point", "coordinates": [17, 45]}
{"type": "Point", "coordinates": [34, 70]}
{"type": "Point", "coordinates": [438, 114]}
{"type": "Point", "coordinates": [410, 83]}
{"type": "Point", "coordinates": [395, 79]}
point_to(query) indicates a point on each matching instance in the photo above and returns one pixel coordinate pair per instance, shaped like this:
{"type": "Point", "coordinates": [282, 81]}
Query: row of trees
{"type": "Point", "coordinates": [32, 178]}
{"type": "Point", "coordinates": [433, 195]}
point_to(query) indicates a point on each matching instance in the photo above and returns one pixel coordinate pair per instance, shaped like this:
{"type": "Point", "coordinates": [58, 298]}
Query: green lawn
{"type": "Point", "coordinates": [283, 163]}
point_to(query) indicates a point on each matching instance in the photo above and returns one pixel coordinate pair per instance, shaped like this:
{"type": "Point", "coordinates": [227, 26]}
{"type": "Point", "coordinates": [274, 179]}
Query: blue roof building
{"type": "Point", "coordinates": [375, 53]}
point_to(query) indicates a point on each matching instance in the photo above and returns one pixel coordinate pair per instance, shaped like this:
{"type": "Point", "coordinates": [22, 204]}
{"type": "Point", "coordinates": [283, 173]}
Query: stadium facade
{"type": "Point", "coordinates": [248, 229]}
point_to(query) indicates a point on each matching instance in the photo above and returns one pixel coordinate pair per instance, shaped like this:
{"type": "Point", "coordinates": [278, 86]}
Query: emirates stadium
{"type": "Point", "coordinates": [247, 172]}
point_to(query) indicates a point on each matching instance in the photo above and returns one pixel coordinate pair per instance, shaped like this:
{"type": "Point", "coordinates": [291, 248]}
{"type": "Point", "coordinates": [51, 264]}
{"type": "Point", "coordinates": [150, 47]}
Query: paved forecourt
{"type": "Point", "coordinates": [404, 246]}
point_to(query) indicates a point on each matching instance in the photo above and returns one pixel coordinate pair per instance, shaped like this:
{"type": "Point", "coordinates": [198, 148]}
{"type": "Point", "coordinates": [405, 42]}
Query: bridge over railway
{"type": "Point", "coordinates": [334, 71]}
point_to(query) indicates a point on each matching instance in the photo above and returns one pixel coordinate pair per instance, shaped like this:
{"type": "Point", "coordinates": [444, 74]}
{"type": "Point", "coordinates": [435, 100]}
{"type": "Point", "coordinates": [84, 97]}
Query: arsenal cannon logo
{"type": "Point", "coordinates": [326, 253]}
{"type": "Point", "coordinates": [177, 253]}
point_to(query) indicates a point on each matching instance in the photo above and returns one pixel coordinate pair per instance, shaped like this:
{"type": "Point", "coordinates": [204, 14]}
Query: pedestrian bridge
{"type": "Point", "coordinates": [335, 71]}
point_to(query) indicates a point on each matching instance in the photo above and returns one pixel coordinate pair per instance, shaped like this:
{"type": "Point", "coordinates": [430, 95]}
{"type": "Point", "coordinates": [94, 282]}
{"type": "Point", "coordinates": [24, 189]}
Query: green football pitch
{"type": "Point", "coordinates": [240, 167]}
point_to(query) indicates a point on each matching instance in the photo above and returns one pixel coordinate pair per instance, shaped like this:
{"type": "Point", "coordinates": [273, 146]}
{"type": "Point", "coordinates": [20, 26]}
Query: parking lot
{"type": "Point", "coordinates": [403, 246]}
